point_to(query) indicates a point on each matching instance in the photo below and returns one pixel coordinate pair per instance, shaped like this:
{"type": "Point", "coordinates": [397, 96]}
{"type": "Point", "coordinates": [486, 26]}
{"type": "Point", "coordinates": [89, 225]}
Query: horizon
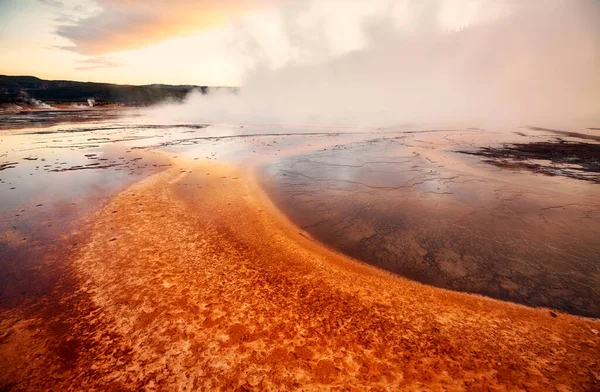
{"type": "Point", "coordinates": [117, 84]}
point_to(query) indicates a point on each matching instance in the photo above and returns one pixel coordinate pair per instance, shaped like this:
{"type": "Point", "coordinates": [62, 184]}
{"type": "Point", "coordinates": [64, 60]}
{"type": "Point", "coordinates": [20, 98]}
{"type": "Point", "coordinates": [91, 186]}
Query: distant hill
{"type": "Point", "coordinates": [27, 89]}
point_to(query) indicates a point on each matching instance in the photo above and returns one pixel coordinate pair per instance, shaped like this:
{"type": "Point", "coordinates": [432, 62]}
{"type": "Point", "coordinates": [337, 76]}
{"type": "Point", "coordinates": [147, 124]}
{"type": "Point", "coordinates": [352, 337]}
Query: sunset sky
{"type": "Point", "coordinates": [211, 42]}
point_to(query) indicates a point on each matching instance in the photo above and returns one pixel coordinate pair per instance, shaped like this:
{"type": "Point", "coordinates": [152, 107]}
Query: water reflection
{"type": "Point", "coordinates": [417, 207]}
{"type": "Point", "coordinates": [404, 200]}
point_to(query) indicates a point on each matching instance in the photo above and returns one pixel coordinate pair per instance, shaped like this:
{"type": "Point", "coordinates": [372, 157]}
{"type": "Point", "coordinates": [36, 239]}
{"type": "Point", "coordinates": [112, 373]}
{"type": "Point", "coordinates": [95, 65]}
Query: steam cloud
{"type": "Point", "coordinates": [532, 62]}
{"type": "Point", "coordinates": [34, 102]}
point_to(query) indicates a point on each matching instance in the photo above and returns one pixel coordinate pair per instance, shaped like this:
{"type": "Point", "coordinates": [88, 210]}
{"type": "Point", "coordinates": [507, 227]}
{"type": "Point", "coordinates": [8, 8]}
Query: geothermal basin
{"type": "Point", "coordinates": [145, 255]}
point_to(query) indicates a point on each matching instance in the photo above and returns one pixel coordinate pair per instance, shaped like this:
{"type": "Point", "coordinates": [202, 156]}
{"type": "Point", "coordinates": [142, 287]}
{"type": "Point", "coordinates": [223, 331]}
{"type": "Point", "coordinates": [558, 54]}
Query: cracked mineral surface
{"type": "Point", "coordinates": [416, 206]}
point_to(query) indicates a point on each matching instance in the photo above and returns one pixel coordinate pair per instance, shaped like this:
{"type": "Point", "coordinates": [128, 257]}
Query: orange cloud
{"type": "Point", "coordinates": [126, 24]}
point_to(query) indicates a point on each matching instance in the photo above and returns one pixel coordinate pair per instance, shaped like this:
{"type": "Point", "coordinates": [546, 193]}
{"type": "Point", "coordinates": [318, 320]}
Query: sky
{"type": "Point", "coordinates": [305, 60]}
{"type": "Point", "coordinates": [204, 42]}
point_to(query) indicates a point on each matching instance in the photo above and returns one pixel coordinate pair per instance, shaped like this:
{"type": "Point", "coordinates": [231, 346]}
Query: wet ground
{"type": "Point", "coordinates": [573, 159]}
{"type": "Point", "coordinates": [192, 280]}
{"type": "Point", "coordinates": [58, 166]}
{"type": "Point", "coordinates": [46, 118]}
{"type": "Point", "coordinates": [518, 218]}
{"type": "Point", "coordinates": [514, 215]}
{"type": "Point", "coordinates": [137, 254]}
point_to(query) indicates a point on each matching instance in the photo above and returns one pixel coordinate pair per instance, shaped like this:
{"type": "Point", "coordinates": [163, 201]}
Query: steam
{"type": "Point", "coordinates": [34, 102]}
{"type": "Point", "coordinates": [525, 63]}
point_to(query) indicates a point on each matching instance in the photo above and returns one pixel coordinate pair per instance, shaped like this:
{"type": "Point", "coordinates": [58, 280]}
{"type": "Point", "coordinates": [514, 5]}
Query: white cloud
{"type": "Point", "coordinates": [535, 62]}
{"type": "Point", "coordinates": [98, 62]}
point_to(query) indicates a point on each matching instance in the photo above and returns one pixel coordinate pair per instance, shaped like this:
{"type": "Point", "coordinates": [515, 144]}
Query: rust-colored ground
{"type": "Point", "coordinates": [191, 280]}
